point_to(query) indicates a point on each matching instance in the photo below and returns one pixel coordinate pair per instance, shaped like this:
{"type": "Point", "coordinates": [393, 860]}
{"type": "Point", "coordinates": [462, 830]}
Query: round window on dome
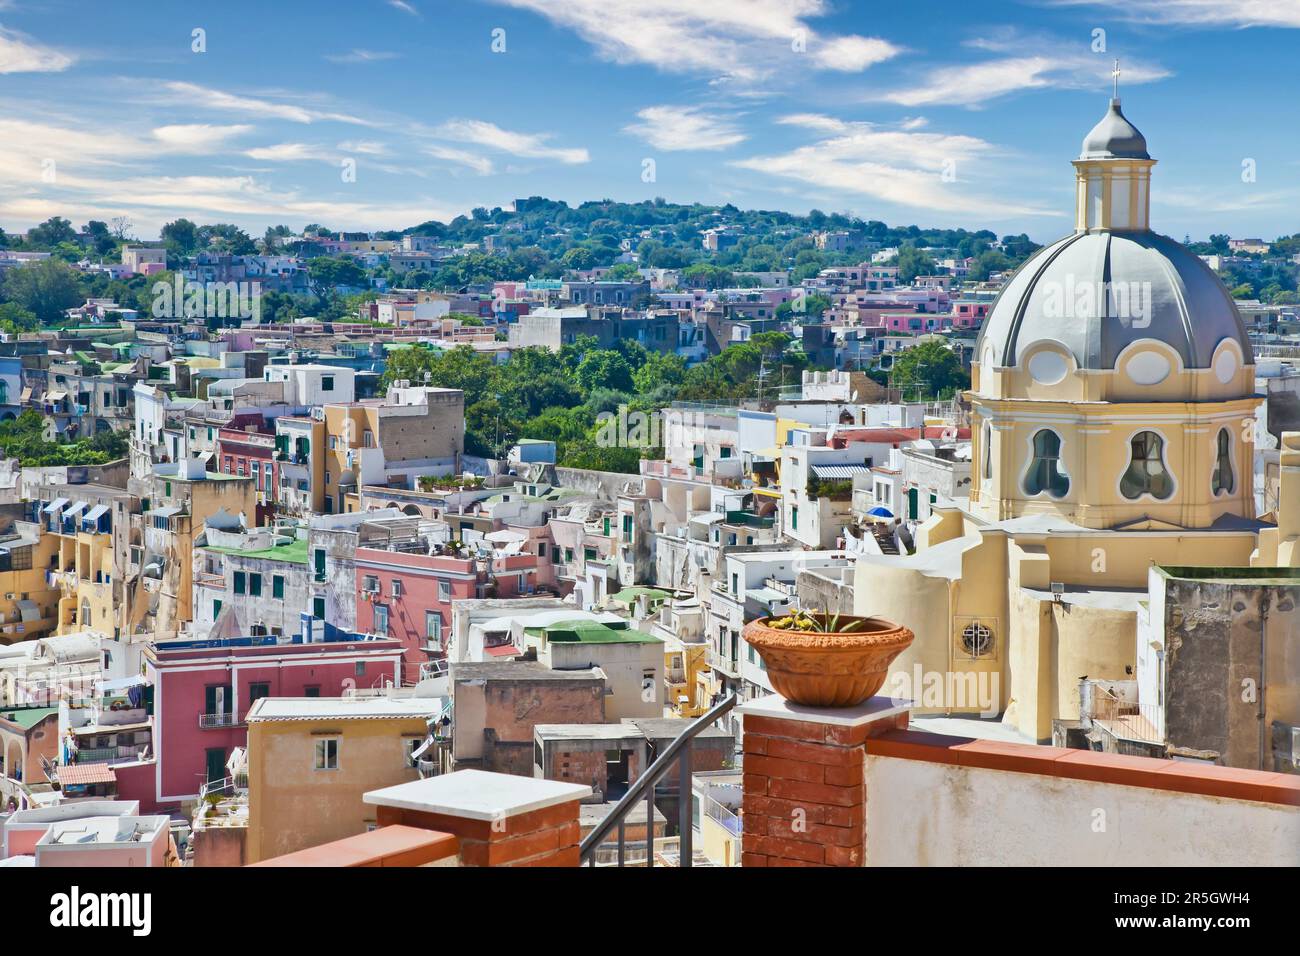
{"type": "Point", "coordinates": [1048, 367]}
{"type": "Point", "coordinates": [1148, 367]}
{"type": "Point", "coordinates": [1225, 365]}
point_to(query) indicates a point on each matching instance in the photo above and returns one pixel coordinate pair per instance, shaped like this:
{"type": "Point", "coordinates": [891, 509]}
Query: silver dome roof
{"type": "Point", "coordinates": [1114, 138]}
{"type": "Point", "coordinates": [1189, 309]}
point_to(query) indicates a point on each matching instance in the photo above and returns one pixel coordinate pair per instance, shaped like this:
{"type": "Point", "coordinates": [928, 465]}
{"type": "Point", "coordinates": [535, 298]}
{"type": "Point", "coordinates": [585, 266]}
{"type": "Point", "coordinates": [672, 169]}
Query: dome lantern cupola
{"type": "Point", "coordinates": [1113, 175]}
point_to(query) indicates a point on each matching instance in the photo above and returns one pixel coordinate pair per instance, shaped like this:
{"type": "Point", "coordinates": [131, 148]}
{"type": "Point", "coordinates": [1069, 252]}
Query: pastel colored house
{"type": "Point", "coordinates": [204, 689]}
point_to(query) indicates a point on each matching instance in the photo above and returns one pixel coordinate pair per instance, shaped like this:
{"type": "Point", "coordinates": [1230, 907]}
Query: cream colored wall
{"type": "Point", "coordinates": [1095, 452]}
{"type": "Point", "coordinates": [717, 843]}
{"type": "Point", "coordinates": [913, 599]}
{"type": "Point", "coordinates": [293, 806]}
{"type": "Point", "coordinates": [931, 814]}
{"type": "Point", "coordinates": [1122, 560]}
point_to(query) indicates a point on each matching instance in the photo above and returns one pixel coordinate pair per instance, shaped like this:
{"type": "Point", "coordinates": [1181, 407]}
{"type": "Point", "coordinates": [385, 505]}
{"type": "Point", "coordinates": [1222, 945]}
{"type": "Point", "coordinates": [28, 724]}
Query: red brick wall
{"type": "Point", "coordinates": [546, 837]}
{"type": "Point", "coordinates": [805, 791]}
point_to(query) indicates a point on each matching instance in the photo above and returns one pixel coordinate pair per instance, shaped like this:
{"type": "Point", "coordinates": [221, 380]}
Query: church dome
{"type": "Point", "coordinates": [1113, 282]}
{"type": "Point", "coordinates": [1098, 292]}
{"type": "Point", "coordinates": [1114, 138]}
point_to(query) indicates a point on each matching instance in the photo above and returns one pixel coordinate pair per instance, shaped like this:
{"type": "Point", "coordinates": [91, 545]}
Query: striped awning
{"type": "Point", "coordinates": [840, 471]}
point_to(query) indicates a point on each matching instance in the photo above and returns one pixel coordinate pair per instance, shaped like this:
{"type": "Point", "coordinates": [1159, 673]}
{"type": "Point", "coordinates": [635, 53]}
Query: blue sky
{"type": "Point", "coordinates": [943, 114]}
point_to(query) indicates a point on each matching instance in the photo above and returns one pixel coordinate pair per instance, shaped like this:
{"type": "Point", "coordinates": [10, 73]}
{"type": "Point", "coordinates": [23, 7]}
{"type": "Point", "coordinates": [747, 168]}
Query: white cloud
{"type": "Point", "coordinates": [525, 145]}
{"type": "Point", "coordinates": [151, 200]}
{"type": "Point", "coordinates": [1206, 13]}
{"type": "Point", "coordinates": [290, 153]}
{"type": "Point", "coordinates": [673, 128]}
{"type": "Point", "coordinates": [362, 56]}
{"type": "Point", "coordinates": [404, 7]}
{"type": "Point", "coordinates": [817, 121]}
{"type": "Point", "coordinates": [740, 38]}
{"type": "Point", "coordinates": [1051, 65]}
{"type": "Point", "coordinates": [191, 95]}
{"type": "Point", "coordinates": [896, 166]}
{"type": "Point", "coordinates": [197, 137]}
{"type": "Point", "coordinates": [364, 146]}
{"type": "Point", "coordinates": [853, 54]}
{"type": "Point", "coordinates": [21, 55]}
{"type": "Point", "coordinates": [480, 164]}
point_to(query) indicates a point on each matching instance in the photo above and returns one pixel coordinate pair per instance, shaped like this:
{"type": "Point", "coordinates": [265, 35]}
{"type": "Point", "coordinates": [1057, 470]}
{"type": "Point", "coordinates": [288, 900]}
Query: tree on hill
{"type": "Point", "coordinates": [46, 289]}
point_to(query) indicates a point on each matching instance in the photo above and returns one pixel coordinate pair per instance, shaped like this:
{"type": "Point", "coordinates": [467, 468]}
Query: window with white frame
{"type": "Point", "coordinates": [1146, 473]}
{"type": "Point", "coordinates": [327, 753]}
{"type": "Point", "coordinates": [1045, 473]}
{"type": "Point", "coordinates": [976, 640]}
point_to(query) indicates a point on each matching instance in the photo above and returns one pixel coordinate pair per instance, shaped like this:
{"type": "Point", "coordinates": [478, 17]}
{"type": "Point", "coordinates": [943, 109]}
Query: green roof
{"type": "Point", "coordinates": [629, 595]}
{"type": "Point", "coordinates": [295, 552]}
{"type": "Point", "coordinates": [594, 632]}
{"type": "Point", "coordinates": [26, 717]}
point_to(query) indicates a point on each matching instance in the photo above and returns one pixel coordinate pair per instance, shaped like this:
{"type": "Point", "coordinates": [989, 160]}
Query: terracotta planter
{"type": "Point", "coordinates": [828, 670]}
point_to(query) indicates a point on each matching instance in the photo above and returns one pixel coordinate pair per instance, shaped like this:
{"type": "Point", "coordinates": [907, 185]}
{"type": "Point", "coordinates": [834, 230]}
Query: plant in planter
{"type": "Point", "coordinates": [827, 660]}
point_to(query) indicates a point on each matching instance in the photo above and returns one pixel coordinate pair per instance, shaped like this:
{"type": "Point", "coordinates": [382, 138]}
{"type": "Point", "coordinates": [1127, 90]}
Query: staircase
{"type": "Point", "coordinates": [884, 535]}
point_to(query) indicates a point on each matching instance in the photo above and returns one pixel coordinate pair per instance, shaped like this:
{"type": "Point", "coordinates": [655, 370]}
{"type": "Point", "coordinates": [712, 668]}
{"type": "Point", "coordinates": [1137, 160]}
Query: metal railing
{"type": "Point", "coordinates": [208, 721]}
{"type": "Point", "coordinates": [678, 751]}
{"type": "Point", "coordinates": [110, 754]}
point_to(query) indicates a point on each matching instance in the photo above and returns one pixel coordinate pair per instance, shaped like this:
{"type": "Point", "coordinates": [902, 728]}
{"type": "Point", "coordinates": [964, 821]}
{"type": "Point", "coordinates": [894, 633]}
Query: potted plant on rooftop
{"type": "Point", "coordinates": [820, 659]}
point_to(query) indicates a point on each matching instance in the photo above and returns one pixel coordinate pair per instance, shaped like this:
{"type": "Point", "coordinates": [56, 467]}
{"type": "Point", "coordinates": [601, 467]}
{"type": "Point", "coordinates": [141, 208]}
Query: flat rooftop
{"type": "Point", "coordinates": [588, 732]}
{"type": "Point", "coordinates": [102, 831]}
{"type": "Point", "coordinates": [518, 670]}
{"type": "Point", "coordinates": [295, 552]}
{"type": "Point", "coordinates": [344, 708]}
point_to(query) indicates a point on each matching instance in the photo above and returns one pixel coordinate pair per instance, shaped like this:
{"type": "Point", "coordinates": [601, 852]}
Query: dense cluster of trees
{"type": "Point", "coordinates": [560, 396]}
{"type": "Point", "coordinates": [27, 439]}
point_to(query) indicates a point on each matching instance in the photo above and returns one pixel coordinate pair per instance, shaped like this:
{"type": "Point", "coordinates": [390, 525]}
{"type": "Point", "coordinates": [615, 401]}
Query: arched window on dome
{"type": "Point", "coordinates": [1223, 482]}
{"type": "Point", "coordinates": [1045, 472]}
{"type": "Point", "coordinates": [986, 446]}
{"type": "Point", "coordinates": [1147, 474]}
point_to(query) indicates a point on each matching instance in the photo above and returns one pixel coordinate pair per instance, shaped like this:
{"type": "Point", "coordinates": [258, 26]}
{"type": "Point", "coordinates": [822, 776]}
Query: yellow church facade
{"type": "Point", "coordinates": [1113, 427]}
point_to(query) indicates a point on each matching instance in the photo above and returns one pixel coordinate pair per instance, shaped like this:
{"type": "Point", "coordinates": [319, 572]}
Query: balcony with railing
{"type": "Point", "coordinates": [750, 520]}
{"type": "Point", "coordinates": [111, 754]}
{"type": "Point", "coordinates": [720, 661]}
{"type": "Point", "coordinates": [219, 720]}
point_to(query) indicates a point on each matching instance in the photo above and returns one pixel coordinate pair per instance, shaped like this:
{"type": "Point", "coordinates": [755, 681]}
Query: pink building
{"type": "Point", "coordinates": [116, 841]}
{"type": "Point", "coordinates": [203, 689]}
{"type": "Point", "coordinates": [969, 315]}
{"type": "Point", "coordinates": [916, 322]}
{"type": "Point", "coordinates": [407, 596]}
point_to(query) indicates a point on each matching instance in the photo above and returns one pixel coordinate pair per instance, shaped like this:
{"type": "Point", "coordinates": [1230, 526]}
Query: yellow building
{"type": "Point", "coordinates": [412, 431]}
{"type": "Point", "coordinates": [1113, 421]}
{"type": "Point", "coordinates": [180, 498]}
{"type": "Point", "coordinates": [310, 759]}
{"type": "Point", "coordinates": [28, 596]}
{"type": "Point", "coordinates": [86, 576]}
{"type": "Point", "coordinates": [684, 667]}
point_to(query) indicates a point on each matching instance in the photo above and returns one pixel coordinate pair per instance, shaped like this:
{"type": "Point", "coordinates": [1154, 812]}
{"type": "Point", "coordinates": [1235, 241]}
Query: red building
{"type": "Point", "coordinates": [407, 596]}
{"type": "Point", "coordinates": [246, 447]}
{"type": "Point", "coordinates": [203, 689]}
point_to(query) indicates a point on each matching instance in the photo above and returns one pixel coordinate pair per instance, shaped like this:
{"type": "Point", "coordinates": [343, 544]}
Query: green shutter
{"type": "Point", "coordinates": [239, 582]}
{"type": "Point", "coordinates": [277, 587]}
